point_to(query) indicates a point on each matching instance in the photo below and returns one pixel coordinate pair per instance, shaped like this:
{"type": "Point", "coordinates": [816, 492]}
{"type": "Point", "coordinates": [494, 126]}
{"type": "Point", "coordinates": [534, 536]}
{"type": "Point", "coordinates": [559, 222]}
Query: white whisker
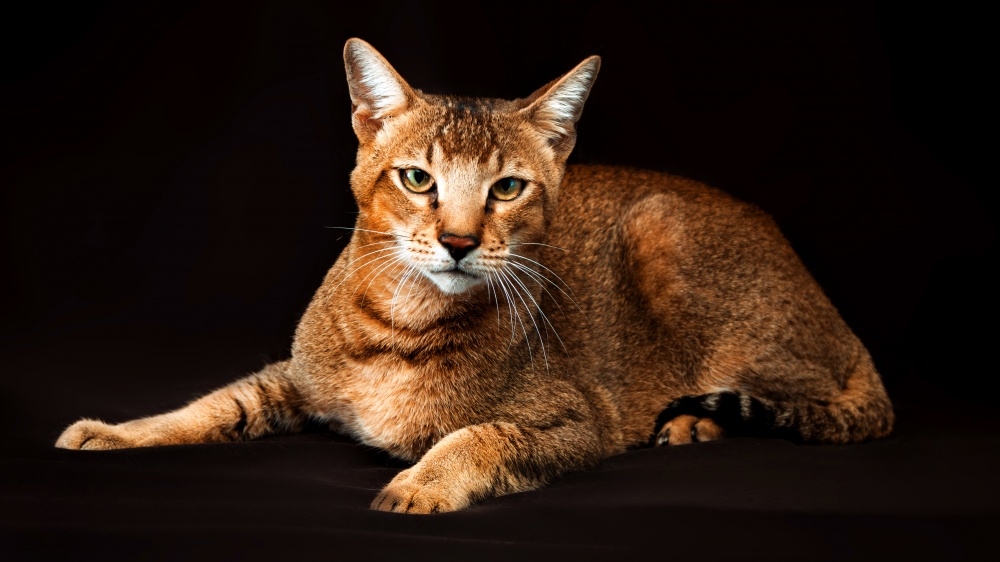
{"type": "Point", "coordinates": [394, 234]}
{"type": "Point", "coordinates": [527, 309]}
{"type": "Point", "coordinates": [510, 310]}
{"type": "Point", "coordinates": [539, 306]}
{"type": "Point", "coordinates": [541, 313]}
{"type": "Point", "coordinates": [571, 295]}
{"type": "Point", "coordinates": [496, 297]}
{"type": "Point", "coordinates": [374, 275]}
{"type": "Point", "coordinates": [538, 278]}
{"type": "Point", "coordinates": [347, 274]}
{"type": "Point", "coordinates": [410, 270]}
{"type": "Point", "coordinates": [538, 244]}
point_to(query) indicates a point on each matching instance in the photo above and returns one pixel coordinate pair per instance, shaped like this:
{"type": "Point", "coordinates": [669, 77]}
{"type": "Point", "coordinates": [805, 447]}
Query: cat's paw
{"type": "Point", "coordinates": [93, 435]}
{"type": "Point", "coordinates": [688, 429]}
{"type": "Point", "coordinates": [711, 416]}
{"type": "Point", "coordinates": [406, 494]}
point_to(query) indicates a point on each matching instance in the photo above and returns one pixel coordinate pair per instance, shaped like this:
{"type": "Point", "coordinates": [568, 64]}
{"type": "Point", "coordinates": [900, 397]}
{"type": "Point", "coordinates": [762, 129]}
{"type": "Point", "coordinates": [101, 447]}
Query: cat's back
{"type": "Point", "coordinates": [602, 205]}
{"type": "Point", "coordinates": [603, 189]}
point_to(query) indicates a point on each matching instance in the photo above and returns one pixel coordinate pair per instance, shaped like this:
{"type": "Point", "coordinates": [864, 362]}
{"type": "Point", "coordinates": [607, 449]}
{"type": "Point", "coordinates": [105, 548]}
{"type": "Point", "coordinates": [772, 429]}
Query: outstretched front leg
{"type": "Point", "coordinates": [492, 459]}
{"type": "Point", "coordinates": [263, 403]}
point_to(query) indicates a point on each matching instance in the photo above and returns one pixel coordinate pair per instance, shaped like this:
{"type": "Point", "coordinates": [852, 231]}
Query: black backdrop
{"type": "Point", "coordinates": [169, 170]}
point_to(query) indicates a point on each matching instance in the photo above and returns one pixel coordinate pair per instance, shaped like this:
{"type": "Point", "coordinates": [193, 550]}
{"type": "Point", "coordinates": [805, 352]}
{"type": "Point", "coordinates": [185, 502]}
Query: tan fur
{"type": "Point", "coordinates": [686, 428]}
{"type": "Point", "coordinates": [595, 298]}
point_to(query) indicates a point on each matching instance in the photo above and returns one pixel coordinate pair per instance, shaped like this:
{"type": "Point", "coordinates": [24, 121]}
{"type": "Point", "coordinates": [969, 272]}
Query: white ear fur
{"type": "Point", "coordinates": [557, 110]}
{"type": "Point", "coordinates": [377, 90]}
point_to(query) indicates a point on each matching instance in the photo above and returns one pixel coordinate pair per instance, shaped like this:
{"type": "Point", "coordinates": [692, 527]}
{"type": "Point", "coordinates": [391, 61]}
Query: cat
{"type": "Point", "coordinates": [500, 319]}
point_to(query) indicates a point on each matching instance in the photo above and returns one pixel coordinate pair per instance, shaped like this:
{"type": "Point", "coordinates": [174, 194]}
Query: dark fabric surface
{"type": "Point", "coordinates": [926, 493]}
{"type": "Point", "coordinates": [168, 171]}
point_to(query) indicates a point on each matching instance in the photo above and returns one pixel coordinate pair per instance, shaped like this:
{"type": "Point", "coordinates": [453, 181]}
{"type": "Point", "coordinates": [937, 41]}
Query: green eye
{"type": "Point", "coordinates": [507, 189]}
{"type": "Point", "coordinates": [416, 180]}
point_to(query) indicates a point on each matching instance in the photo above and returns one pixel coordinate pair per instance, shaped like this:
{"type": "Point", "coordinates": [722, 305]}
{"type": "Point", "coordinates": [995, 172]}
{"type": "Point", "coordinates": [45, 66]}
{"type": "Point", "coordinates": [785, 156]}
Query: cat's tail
{"type": "Point", "coordinates": [862, 412]}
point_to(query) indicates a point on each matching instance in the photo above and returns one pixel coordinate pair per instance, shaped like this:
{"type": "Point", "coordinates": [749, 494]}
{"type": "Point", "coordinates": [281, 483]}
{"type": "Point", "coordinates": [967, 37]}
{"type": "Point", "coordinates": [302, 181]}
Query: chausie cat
{"type": "Point", "coordinates": [501, 319]}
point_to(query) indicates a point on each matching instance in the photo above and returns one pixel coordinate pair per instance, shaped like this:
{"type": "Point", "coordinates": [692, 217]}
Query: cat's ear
{"type": "Point", "coordinates": [555, 108]}
{"type": "Point", "coordinates": [378, 92]}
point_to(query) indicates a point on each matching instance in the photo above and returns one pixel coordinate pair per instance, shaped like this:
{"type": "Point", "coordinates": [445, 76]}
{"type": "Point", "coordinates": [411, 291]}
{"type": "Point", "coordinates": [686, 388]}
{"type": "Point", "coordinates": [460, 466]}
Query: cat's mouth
{"type": "Point", "coordinates": [453, 281]}
{"type": "Point", "coordinates": [456, 271]}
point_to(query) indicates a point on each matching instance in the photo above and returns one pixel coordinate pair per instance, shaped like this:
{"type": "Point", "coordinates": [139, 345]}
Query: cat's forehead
{"type": "Point", "coordinates": [468, 128]}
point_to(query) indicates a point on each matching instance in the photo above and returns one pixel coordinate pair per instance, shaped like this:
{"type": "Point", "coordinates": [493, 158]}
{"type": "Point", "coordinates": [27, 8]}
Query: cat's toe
{"type": "Point", "coordinates": [705, 429]}
{"type": "Point", "coordinates": [405, 495]}
{"type": "Point", "coordinates": [685, 429]}
{"type": "Point", "coordinates": [92, 435]}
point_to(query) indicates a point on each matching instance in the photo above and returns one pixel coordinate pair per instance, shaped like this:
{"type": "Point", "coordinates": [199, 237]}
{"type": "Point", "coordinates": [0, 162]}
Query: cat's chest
{"type": "Point", "coordinates": [405, 408]}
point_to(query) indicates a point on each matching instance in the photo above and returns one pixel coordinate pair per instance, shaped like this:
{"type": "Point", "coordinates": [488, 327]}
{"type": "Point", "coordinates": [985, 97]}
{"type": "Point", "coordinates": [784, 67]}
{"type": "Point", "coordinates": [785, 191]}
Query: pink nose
{"type": "Point", "coordinates": [458, 246]}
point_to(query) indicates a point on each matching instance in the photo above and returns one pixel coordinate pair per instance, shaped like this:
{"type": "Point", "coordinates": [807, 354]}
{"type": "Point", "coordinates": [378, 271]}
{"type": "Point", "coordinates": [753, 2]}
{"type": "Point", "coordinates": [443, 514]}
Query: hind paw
{"type": "Point", "coordinates": [688, 429]}
{"type": "Point", "coordinates": [711, 416]}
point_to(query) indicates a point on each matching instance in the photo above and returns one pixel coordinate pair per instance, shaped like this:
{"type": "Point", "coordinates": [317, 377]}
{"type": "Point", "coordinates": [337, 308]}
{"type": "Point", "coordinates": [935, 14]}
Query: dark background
{"type": "Point", "coordinates": [169, 170]}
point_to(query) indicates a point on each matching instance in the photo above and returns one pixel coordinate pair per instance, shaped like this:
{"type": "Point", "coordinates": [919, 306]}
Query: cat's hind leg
{"type": "Point", "coordinates": [263, 403]}
{"type": "Point", "coordinates": [862, 411]}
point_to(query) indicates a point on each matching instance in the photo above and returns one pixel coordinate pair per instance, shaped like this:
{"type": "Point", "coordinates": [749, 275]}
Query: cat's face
{"type": "Point", "coordinates": [464, 187]}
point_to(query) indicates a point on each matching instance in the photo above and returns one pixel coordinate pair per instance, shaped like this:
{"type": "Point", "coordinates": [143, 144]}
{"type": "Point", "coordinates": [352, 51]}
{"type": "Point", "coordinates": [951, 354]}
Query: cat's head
{"type": "Point", "coordinates": [460, 183]}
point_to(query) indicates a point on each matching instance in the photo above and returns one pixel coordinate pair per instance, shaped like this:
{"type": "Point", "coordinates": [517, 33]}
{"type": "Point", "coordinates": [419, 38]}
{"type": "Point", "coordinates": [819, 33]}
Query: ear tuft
{"type": "Point", "coordinates": [556, 108]}
{"type": "Point", "coordinates": [377, 90]}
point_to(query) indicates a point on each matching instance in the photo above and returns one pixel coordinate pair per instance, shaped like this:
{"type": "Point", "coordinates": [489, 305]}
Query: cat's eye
{"type": "Point", "coordinates": [416, 180]}
{"type": "Point", "coordinates": [507, 188]}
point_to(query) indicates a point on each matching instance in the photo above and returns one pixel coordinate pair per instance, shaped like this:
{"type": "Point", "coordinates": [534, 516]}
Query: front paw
{"type": "Point", "coordinates": [406, 494]}
{"type": "Point", "coordinates": [93, 435]}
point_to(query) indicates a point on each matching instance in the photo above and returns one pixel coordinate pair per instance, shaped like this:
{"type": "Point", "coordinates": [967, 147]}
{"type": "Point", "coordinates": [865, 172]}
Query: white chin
{"type": "Point", "coordinates": [453, 282]}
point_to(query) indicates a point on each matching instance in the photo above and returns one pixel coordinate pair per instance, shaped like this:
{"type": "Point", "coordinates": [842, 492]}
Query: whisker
{"type": "Point", "coordinates": [510, 310]}
{"type": "Point", "coordinates": [539, 306]}
{"type": "Point", "coordinates": [398, 260]}
{"type": "Point", "coordinates": [545, 319]}
{"type": "Point", "coordinates": [363, 230]}
{"type": "Point", "coordinates": [538, 244]}
{"type": "Point", "coordinates": [538, 278]}
{"type": "Point", "coordinates": [355, 270]}
{"type": "Point", "coordinates": [496, 297]}
{"type": "Point", "coordinates": [531, 317]}
{"type": "Point", "coordinates": [383, 242]}
{"type": "Point", "coordinates": [571, 295]}
{"type": "Point", "coordinates": [392, 307]}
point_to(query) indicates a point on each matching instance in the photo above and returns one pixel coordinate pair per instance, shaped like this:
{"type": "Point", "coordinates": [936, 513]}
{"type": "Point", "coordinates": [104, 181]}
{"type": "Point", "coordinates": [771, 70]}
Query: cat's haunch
{"type": "Point", "coordinates": [500, 318]}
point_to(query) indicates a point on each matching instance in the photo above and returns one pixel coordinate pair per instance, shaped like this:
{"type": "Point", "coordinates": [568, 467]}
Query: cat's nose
{"type": "Point", "coordinates": [458, 246]}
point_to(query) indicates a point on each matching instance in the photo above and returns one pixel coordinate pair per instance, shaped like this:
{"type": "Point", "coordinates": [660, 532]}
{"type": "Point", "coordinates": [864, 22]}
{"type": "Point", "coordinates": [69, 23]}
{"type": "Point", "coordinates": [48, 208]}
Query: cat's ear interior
{"type": "Point", "coordinates": [377, 91]}
{"type": "Point", "coordinates": [555, 108]}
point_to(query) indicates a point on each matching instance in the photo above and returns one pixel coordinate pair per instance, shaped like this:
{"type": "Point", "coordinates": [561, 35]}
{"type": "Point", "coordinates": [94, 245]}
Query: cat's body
{"type": "Point", "coordinates": [502, 320]}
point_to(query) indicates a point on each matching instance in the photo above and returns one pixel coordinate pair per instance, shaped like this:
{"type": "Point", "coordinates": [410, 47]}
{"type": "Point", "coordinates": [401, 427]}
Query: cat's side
{"type": "Point", "coordinates": [501, 319]}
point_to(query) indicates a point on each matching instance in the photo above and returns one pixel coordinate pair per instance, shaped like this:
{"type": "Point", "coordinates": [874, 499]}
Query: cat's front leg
{"type": "Point", "coordinates": [487, 460]}
{"type": "Point", "coordinates": [260, 404]}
